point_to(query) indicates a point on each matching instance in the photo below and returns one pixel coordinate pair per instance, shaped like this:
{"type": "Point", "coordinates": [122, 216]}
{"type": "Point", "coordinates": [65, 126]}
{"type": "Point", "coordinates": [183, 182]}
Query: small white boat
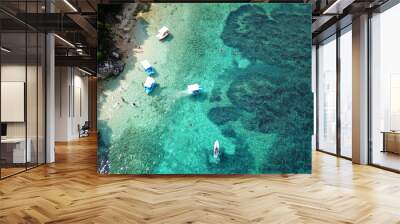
{"type": "Point", "coordinates": [216, 149]}
{"type": "Point", "coordinates": [194, 89]}
{"type": "Point", "coordinates": [149, 85]}
{"type": "Point", "coordinates": [163, 33]}
{"type": "Point", "coordinates": [147, 67]}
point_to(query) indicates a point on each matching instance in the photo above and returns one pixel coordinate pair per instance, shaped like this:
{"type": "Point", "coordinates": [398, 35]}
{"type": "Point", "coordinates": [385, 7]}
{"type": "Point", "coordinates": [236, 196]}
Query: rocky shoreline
{"type": "Point", "coordinates": [117, 44]}
{"type": "Point", "coordinates": [122, 42]}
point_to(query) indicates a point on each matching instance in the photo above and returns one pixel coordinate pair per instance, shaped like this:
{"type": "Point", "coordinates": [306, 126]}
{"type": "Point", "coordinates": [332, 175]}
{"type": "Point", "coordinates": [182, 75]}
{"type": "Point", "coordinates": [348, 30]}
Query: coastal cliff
{"type": "Point", "coordinates": [116, 36]}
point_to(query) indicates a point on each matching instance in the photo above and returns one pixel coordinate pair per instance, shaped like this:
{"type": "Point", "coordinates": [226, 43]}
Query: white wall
{"type": "Point", "coordinates": [81, 83]}
{"type": "Point", "coordinates": [71, 102]}
{"type": "Point", "coordinates": [62, 82]}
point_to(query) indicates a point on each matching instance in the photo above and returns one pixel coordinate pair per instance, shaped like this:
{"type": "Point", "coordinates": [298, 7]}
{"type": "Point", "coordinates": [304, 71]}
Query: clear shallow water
{"type": "Point", "coordinates": [257, 99]}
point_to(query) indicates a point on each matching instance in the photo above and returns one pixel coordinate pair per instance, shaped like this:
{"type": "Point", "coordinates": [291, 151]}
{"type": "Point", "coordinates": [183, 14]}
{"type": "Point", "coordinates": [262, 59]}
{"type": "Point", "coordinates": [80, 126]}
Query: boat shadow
{"type": "Point", "coordinates": [169, 38]}
{"type": "Point", "coordinates": [157, 91]}
{"type": "Point", "coordinates": [155, 74]}
{"type": "Point", "coordinates": [199, 97]}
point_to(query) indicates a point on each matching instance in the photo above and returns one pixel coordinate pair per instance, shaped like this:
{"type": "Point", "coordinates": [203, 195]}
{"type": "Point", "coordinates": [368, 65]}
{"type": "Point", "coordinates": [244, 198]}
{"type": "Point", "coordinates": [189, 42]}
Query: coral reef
{"type": "Point", "coordinates": [222, 115]}
{"type": "Point", "coordinates": [276, 86]}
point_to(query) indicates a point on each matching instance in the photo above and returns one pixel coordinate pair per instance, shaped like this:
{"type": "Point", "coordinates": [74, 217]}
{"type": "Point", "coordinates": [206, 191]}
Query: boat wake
{"type": "Point", "coordinates": [183, 93]}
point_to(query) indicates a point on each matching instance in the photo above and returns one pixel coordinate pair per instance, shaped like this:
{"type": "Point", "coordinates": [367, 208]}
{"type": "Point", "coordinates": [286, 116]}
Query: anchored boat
{"type": "Point", "coordinates": [194, 89]}
{"type": "Point", "coordinates": [149, 85]}
{"type": "Point", "coordinates": [162, 33]}
{"type": "Point", "coordinates": [147, 67]}
{"type": "Point", "coordinates": [216, 149]}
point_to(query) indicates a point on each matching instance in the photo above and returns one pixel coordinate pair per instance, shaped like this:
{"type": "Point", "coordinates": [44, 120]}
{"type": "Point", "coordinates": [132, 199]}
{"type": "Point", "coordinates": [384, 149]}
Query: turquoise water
{"type": "Point", "coordinates": [253, 60]}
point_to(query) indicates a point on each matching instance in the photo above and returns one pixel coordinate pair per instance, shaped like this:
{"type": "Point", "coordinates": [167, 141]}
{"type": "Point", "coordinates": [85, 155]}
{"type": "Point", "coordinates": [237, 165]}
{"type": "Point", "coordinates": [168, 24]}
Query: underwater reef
{"type": "Point", "coordinates": [276, 87]}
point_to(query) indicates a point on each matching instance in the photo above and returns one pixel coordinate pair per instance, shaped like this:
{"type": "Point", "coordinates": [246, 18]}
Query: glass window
{"type": "Point", "coordinates": [346, 92]}
{"type": "Point", "coordinates": [385, 88]}
{"type": "Point", "coordinates": [327, 95]}
{"type": "Point", "coordinates": [14, 151]}
{"type": "Point", "coordinates": [22, 92]}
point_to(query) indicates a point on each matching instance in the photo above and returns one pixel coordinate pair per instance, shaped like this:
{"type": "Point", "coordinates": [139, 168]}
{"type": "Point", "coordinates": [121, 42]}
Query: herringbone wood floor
{"type": "Point", "coordinates": [70, 191]}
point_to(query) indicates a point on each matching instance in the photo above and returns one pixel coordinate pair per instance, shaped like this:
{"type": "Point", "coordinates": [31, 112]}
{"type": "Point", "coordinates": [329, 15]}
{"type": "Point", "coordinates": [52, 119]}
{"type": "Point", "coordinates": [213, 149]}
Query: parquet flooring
{"type": "Point", "coordinates": [70, 191]}
{"type": "Point", "coordinates": [10, 171]}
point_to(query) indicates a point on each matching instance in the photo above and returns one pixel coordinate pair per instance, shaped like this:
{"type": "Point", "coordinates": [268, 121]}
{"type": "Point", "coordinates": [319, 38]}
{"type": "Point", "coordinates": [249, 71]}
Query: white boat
{"type": "Point", "coordinates": [216, 149]}
{"type": "Point", "coordinates": [149, 85]}
{"type": "Point", "coordinates": [163, 33]}
{"type": "Point", "coordinates": [194, 89]}
{"type": "Point", "coordinates": [147, 67]}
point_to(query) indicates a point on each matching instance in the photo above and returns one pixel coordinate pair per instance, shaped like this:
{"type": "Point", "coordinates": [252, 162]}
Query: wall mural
{"type": "Point", "coordinates": [204, 88]}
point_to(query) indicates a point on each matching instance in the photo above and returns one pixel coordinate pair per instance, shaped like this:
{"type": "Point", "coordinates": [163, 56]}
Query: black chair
{"type": "Point", "coordinates": [84, 130]}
